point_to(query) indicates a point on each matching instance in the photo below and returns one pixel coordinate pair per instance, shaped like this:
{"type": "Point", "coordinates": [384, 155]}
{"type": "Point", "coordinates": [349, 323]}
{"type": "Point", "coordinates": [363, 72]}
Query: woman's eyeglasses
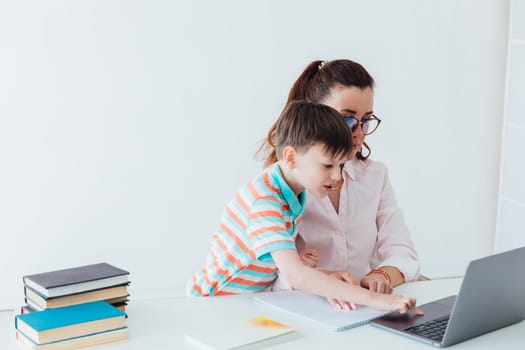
{"type": "Point", "coordinates": [368, 124]}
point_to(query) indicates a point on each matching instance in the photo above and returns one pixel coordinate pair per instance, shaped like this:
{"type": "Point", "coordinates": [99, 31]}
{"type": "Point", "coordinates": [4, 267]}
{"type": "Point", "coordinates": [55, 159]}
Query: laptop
{"type": "Point", "coordinates": [492, 296]}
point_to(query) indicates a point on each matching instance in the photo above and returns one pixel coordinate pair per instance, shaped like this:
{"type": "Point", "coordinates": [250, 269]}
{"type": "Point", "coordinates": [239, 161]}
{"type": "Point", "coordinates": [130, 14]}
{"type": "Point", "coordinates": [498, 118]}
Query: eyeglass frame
{"type": "Point", "coordinates": [360, 123]}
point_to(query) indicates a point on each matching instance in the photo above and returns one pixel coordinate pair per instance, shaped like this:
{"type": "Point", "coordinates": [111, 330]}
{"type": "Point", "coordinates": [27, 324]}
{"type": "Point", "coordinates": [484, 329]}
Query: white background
{"type": "Point", "coordinates": [511, 213]}
{"type": "Point", "coordinates": [126, 126]}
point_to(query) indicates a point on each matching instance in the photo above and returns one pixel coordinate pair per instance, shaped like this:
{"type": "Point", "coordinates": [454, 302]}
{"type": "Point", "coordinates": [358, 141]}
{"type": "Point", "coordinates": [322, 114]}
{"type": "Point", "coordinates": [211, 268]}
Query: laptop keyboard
{"type": "Point", "coordinates": [434, 329]}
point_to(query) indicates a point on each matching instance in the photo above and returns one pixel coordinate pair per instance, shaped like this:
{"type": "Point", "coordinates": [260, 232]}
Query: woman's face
{"type": "Point", "coordinates": [352, 102]}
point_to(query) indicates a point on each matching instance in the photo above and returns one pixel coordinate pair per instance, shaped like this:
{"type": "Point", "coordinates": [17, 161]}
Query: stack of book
{"type": "Point", "coordinates": [77, 285]}
{"type": "Point", "coordinates": [74, 308]}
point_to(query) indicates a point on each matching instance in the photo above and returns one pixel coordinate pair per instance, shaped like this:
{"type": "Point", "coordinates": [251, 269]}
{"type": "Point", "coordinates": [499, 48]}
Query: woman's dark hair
{"type": "Point", "coordinates": [304, 124]}
{"type": "Point", "coordinates": [314, 85]}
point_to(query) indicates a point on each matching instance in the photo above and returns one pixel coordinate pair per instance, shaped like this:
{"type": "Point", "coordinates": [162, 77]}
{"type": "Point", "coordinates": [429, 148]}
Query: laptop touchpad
{"type": "Point", "coordinates": [433, 310]}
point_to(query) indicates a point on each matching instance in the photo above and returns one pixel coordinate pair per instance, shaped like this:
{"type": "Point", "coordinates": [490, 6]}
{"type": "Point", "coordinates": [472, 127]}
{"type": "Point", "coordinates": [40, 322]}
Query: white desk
{"type": "Point", "coordinates": [160, 324]}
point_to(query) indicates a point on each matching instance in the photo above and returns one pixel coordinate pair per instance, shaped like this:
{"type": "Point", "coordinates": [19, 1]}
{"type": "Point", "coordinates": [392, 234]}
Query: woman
{"type": "Point", "coordinates": [358, 231]}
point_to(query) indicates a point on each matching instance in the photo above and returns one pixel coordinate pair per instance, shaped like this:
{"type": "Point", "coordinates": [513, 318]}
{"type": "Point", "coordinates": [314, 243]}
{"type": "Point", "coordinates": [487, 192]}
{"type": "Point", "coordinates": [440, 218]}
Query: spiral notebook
{"type": "Point", "coordinates": [317, 308]}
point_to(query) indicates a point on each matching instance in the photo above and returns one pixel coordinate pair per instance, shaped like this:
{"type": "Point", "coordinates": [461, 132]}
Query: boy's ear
{"type": "Point", "coordinates": [289, 156]}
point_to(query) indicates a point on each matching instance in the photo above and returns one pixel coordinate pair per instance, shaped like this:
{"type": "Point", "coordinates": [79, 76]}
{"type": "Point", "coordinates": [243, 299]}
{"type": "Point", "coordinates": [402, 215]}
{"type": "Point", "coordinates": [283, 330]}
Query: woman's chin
{"type": "Point", "coordinates": [319, 194]}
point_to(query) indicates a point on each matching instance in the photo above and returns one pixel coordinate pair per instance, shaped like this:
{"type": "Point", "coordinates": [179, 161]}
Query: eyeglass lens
{"type": "Point", "coordinates": [368, 125]}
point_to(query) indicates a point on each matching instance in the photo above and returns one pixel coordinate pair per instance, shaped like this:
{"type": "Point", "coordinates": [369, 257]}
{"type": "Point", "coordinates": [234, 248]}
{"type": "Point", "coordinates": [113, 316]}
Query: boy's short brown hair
{"type": "Point", "coordinates": [303, 124]}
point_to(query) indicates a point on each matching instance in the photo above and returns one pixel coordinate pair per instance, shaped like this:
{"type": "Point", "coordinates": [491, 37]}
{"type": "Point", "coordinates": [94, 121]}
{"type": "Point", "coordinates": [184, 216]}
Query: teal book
{"type": "Point", "coordinates": [70, 321]}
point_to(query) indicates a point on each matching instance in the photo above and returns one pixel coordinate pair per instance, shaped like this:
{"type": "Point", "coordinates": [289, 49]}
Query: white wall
{"type": "Point", "coordinates": [125, 126]}
{"type": "Point", "coordinates": [511, 216]}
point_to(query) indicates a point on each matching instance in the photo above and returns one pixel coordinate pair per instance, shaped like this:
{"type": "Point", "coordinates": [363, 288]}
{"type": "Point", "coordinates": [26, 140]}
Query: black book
{"type": "Point", "coordinates": [76, 279]}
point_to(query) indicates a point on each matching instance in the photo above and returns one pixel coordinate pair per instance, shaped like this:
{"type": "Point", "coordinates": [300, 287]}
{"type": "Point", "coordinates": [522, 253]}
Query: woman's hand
{"type": "Point", "coordinates": [310, 257]}
{"type": "Point", "coordinates": [377, 282]}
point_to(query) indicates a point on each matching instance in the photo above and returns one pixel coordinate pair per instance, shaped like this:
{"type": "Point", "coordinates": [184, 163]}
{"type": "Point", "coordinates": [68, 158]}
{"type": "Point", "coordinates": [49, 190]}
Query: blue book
{"type": "Point", "coordinates": [70, 321]}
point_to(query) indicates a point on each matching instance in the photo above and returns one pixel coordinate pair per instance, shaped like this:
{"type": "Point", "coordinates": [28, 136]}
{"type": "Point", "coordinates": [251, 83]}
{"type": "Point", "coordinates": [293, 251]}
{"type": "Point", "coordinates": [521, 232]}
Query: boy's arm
{"type": "Point", "coordinates": [313, 281]}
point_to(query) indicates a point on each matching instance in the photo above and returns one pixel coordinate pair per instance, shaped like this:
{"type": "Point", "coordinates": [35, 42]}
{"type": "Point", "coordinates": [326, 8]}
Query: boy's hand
{"type": "Point", "coordinates": [394, 302]}
{"type": "Point", "coordinates": [310, 257]}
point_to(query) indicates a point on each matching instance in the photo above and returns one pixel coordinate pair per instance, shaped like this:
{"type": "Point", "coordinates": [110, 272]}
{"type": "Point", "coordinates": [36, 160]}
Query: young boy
{"type": "Point", "coordinates": [256, 235]}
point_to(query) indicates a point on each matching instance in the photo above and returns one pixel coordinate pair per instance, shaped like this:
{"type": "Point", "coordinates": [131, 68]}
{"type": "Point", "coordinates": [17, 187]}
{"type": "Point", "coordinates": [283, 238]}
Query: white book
{"type": "Point", "coordinates": [253, 333]}
{"type": "Point", "coordinates": [318, 309]}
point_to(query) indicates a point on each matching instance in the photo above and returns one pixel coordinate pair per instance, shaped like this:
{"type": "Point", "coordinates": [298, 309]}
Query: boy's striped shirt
{"type": "Point", "coordinates": [263, 217]}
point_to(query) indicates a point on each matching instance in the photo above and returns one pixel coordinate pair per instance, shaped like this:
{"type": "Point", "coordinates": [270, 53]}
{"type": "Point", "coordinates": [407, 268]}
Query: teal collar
{"type": "Point", "coordinates": [296, 203]}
